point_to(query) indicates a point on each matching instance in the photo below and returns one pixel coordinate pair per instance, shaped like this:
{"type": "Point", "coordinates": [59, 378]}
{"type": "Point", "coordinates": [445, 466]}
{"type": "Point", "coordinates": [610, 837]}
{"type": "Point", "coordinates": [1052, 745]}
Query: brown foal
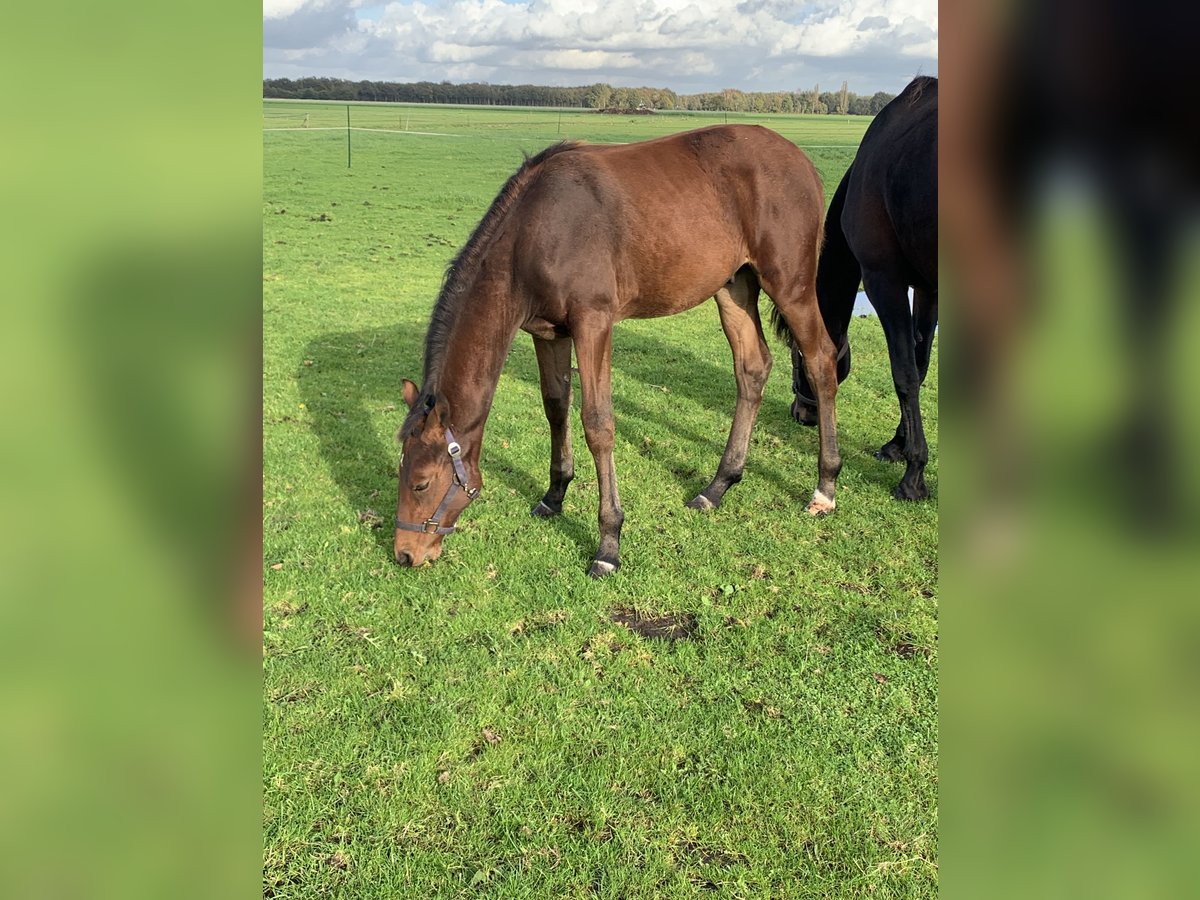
{"type": "Point", "coordinates": [579, 238]}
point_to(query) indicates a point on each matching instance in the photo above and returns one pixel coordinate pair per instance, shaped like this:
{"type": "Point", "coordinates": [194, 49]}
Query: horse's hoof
{"type": "Point", "coordinates": [602, 568]}
{"type": "Point", "coordinates": [909, 492]}
{"type": "Point", "coordinates": [542, 510]}
{"type": "Point", "coordinates": [889, 453]}
{"type": "Point", "coordinates": [820, 505]}
{"type": "Point", "coordinates": [700, 502]}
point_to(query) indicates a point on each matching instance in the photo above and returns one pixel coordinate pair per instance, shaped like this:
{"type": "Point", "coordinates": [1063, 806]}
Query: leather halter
{"type": "Point", "coordinates": [812, 401]}
{"type": "Point", "coordinates": [433, 525]}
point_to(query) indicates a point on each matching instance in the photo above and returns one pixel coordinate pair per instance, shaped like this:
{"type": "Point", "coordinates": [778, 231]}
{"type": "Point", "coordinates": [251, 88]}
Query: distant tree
{"type": "Point", "coordinates": [879, 100]}
{"type": "Point", "coordinates": [734, 100]}
{"type": "Point", "coordinates": [596, 96]}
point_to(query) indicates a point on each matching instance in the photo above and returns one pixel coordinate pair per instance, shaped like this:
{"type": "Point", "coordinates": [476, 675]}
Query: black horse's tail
{"type": "Point", "coordinates": [838, 277]}
{"type": "Point", "coordinates": [838, 272]}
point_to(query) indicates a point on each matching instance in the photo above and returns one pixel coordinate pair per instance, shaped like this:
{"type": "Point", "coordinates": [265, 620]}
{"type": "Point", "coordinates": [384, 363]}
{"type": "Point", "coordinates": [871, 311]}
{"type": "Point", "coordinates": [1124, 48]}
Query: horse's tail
{"type": "Point", "coordinates": [838, 276]}
{"type": "Point", "coordinates": [838, 271]}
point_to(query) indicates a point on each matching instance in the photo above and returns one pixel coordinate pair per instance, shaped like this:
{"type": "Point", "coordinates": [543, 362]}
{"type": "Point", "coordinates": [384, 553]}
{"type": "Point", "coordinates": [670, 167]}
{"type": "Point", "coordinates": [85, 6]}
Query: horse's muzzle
{"type": "Point", "coordinates": [410, 551]}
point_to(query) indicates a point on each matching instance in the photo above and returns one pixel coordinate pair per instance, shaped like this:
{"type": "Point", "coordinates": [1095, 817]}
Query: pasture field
{"type": "Point", "coordinates": [490, 725]}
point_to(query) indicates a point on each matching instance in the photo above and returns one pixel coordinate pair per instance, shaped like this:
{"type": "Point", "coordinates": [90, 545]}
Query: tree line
{"type": "Point", "coordinates": [595, 96]}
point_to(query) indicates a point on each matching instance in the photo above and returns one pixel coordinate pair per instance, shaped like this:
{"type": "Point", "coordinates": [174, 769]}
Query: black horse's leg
{"type": "Point", "coordinates": [738, 304]}
{"type": "Point", "coordinates": [889, 296]}
{"type": "Point", "coordinates": [554, 367]}
{"type": "Point", "coordinates": [1152, 222]}
{"type": "Point", "coordinates": [593, 351]}
{"type": "Point", "coordinates": [925, 319]}
{"type": "Point", "coordinates": [925, 313]}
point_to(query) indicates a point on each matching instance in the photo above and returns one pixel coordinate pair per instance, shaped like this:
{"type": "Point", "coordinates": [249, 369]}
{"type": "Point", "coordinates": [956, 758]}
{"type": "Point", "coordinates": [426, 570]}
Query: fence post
{"type": "Point", "coordinates": [347, 135]}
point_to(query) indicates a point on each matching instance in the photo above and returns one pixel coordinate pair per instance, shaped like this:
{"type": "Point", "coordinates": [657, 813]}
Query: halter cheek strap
{"type": "Point", "coordinates": [433, 525]}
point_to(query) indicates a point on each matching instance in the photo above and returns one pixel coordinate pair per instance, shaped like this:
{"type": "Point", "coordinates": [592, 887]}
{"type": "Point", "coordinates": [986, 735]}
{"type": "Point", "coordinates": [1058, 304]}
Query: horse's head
{"type": "Point", "coordinates": [437, 480]}
{"type": "Point", "coordinates": [804, 406]}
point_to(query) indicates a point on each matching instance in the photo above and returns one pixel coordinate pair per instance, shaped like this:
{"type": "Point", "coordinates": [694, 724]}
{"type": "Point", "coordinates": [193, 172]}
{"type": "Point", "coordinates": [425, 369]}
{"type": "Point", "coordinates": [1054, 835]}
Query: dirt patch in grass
{"type": "Point", "coordinates": [301, 692]}
{"type": "Point", "coordinates": [707, 856]}
{"type": "Point", "coordinates": [665, 627]}
{"type": "Point", "coordinates": [903, 645]}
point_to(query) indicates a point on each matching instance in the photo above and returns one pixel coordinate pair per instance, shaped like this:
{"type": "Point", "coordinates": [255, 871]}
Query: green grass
{"type": "Point", "coordinates": [483, 726]}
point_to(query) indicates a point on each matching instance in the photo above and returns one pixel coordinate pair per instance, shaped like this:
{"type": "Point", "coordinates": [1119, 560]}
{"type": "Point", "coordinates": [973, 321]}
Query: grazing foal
{"type": "Point", "coordinates": [579, 238]}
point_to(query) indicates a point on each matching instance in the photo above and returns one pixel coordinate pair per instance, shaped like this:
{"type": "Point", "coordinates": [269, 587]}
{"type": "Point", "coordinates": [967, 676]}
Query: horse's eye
{"type": "Point", "coordinates": [423, 486]}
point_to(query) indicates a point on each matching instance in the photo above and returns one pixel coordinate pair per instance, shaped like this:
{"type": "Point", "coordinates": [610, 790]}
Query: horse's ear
{"type": "Point", "coordinates": [411, 392]}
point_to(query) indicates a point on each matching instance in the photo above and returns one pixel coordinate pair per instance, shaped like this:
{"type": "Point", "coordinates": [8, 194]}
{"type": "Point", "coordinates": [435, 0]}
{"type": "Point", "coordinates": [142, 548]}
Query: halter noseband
{"type": "Point", "coordinates": [433, 525]}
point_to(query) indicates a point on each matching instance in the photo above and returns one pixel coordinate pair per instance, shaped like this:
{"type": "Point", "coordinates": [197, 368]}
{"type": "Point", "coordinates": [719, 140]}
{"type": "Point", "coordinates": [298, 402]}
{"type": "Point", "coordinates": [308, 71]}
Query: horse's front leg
{"type": "Point", "coordinates": [738, 305]}
{"type": "Point", "coordinates": [554, 367]}
{"type": "Point", "coordinates": [593, 350]}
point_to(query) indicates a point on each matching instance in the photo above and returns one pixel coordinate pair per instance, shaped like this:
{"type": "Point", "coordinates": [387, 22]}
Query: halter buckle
{"type": "Point", "coordinates": [429, 526]}
{"type": "Point", "coordinates": [454, 450]}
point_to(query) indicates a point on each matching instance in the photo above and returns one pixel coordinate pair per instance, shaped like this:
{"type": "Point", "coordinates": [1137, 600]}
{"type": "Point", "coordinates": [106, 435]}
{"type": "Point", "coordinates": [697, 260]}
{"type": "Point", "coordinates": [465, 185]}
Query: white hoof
{"type": "Point", "coordinates": [600, 568]}
{"type": "Point", "coordinates": [820, 504]}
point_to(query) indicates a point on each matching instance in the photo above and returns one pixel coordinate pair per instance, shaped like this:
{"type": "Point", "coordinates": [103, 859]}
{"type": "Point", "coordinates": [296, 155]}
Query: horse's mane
{"type": "Point", "coordinates": [460, 274]}
{"type": "Point", "coordinates": [916, 88]}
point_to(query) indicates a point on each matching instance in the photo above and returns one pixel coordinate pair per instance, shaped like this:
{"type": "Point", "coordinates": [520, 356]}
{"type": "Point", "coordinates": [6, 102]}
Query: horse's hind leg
{"type": "Point", "coordinates": [819, 355]}
{"type": "Point", "coordinates": [554, 367]}
{"type": "Point", "coordinates": [925, 312]}
{"type": "Point", "coordinates": [738, 304]}
{"type": "Point", "coordinates": [890, 299]}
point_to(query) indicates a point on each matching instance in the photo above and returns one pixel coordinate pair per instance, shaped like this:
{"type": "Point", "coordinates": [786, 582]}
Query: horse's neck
{"type": "Point", "coordinates": [475, 353]}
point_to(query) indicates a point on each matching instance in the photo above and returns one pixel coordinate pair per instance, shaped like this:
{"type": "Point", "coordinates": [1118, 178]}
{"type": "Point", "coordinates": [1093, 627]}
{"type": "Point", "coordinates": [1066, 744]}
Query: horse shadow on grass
{"type": "Point", "coordinates": [350, 383]}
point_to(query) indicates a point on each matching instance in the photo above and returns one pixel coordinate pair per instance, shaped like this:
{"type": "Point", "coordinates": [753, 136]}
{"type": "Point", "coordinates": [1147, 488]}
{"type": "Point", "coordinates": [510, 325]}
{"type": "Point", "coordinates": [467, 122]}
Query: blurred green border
{"type": "Point", "coordinates": [130, 183]}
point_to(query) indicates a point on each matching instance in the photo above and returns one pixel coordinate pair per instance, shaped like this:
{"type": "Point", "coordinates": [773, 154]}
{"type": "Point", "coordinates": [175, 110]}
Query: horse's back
{"type": "Point", "coordinates": [720, 170]}
{"type": "Point", "coordinates": [663, 224]}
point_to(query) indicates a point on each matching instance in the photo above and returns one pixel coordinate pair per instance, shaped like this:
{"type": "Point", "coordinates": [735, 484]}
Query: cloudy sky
{"type": "Point", "coordinates": [689, 46]}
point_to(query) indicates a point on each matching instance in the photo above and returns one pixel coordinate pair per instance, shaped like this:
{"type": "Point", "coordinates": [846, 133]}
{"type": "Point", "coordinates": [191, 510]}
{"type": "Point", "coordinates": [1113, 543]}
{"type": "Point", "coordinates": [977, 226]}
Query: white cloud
{"type": "Point", "coordinates": [688, 45]}
{"type": "Point", "coordinates": [279, 9]}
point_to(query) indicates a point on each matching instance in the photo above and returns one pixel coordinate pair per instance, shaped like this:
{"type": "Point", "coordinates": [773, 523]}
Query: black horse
{"type": "Point", "coordinates": [882, 230]}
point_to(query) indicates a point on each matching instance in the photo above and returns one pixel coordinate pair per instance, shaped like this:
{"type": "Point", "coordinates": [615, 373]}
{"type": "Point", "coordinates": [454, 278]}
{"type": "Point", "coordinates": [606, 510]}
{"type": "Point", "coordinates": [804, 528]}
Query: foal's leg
{"type": "Point", "coordinates": [554, 367]}
{"type": "Point", "coordinates": [799, 309]}
{"type": "Point", "coordinates": [925, 313]}
{"type": "Point", "coordinates": [890, 299]}
{"type": "Point", "coordinates": [593, 351]}
{"type": "Point", "coordinates": [738, 304]}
